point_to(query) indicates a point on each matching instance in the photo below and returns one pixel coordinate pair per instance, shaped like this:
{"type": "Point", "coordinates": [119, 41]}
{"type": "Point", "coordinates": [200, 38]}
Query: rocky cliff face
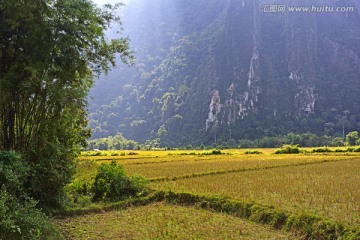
{"type": "Point", "coordinates": [232, 65]}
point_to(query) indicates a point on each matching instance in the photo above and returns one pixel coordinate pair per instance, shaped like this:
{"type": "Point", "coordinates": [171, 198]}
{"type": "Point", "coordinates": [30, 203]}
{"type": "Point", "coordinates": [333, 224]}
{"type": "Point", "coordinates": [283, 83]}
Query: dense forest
{"type": "Point", "coordinates": [218, 71]}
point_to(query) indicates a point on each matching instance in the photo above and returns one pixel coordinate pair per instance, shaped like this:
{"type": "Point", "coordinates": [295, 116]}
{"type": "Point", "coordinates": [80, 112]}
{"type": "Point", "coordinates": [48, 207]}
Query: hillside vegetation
{"type": "Point", "coordinates": [220, 71]}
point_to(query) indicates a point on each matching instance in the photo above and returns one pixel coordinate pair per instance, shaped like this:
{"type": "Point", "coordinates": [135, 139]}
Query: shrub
{"type": "Point", "coordinates": [216, 151]}
{"type": "Point", "coordinates": [112, 183]}
{"type": "Point", "coordinates": [322, 150]}
{"type": "Point", "coordinates": [19, 217]}
{"type": "Point", "coordinates": [189, 147]}
{"type": "Point", "coordinates": [350, 149]}
{"type": "Point", "coordinates": [357, 149]}
{"type": "Point", "coordinates": [253, 152]}
{"type": "Point", "coordinates": [288, 149]}
{"type": "Point", "coordinates": [79, 192]}
{"type": "Point", "coordinates": [13, 173]}
{"type": "Point", "coordinates": [340, 150]}
{"type": "Point", "coordinates": [48, 179]}
{"type": "Point", "coordinates": [352, 138]}
{"type": "Point", "coordinates": [133, 153]}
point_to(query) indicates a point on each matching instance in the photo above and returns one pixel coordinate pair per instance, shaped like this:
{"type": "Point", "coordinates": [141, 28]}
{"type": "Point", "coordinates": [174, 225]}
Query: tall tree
{"type": "Point", "coordinates": [50, 51]}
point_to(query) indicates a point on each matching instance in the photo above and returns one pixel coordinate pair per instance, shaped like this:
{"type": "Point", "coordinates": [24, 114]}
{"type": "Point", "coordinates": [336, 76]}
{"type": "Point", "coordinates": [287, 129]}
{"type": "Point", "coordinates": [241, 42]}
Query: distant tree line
{"type": "Point", "coordinates": [119, 142]}
{"type": "Point", "coordinates": [304, 140]}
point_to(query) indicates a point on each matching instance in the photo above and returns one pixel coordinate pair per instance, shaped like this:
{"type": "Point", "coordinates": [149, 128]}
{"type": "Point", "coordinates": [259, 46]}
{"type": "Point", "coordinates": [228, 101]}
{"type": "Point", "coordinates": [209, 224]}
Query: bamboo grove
{"type": "Point", "coordinates": [50, 52]}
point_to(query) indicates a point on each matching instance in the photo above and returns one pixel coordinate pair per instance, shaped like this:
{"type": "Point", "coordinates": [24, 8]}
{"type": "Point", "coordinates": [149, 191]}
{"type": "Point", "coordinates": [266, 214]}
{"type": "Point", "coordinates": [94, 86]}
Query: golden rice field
{"type": "Point", "coordinates": [191, 166]}
{"type": "Point", "coordinates": [168, 164]}
{"type": "Point", "coordinates": [324, 184]}
{"type": "Point", "coordinates": [162, 221]}
{"type": "Point", "coordinates": [328, 189]}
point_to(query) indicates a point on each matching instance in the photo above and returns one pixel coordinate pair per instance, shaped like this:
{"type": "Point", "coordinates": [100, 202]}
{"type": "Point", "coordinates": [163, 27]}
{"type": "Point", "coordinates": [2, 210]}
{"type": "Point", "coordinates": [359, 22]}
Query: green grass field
{"type": "Point", "coordinates": [325, 185]}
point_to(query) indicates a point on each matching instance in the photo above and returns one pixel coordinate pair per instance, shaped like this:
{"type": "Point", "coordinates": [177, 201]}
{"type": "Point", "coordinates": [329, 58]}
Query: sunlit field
{"type": "Point", "coordinates": [325, 185]}
{"type": "Point", "coordinates": [329, 189]}
{"type": "Point", "coordinates": [167, 164]}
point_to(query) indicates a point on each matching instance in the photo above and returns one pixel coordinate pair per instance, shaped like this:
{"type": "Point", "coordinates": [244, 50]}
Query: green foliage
{"type": "Point", "coordinates": [14, 173]}
{"type": "Point", "coordinates": [19, 217]}
{"type": "Point", "coordinates": [328, 150]}
{"type": "Point", "coordinates": [93, 153]}
{"type": "Point", "coordinates": [213, 152]}
{"type": "Point", "coordinates": [79, 193]}
{"type": "Point", "coordinates": [352, 138]}
{"type": "Point", "coordinates": [112, 183]}
{"type": "Point", "coordinates": [216, 151]}
{"type": "Point", "coordinates": [288, 149]}
{"type": "Point", "coordinates": [305, 140]}
{"type": "Point", "coordinates": [117, 142]}
{"type": "Point", "coordinates": [49, 54]}
{"type": "Point", "coordinates": [189, 147]}
{"type": "Point", "coordinates": [253, 152]}
{"type": "Point", "coordinates": [49, 177]}
{"type": "Point", "coordinates": [322, 150]}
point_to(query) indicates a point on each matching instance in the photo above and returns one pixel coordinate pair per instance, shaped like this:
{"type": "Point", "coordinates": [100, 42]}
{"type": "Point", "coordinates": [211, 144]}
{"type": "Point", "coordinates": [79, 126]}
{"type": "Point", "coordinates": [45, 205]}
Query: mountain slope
{"type": "Point", "coordinates": [214, 70]}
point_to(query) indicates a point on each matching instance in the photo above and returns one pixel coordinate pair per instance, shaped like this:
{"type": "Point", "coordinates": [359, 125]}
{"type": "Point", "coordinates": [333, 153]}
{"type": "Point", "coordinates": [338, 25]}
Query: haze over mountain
{"type": "Point", "coordinates": [210, 70]}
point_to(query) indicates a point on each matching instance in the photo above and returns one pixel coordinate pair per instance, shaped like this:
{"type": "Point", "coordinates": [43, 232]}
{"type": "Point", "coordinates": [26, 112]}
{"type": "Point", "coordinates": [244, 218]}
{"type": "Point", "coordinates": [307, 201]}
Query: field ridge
{"type": "Point", "coordinates": [304, 226]}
